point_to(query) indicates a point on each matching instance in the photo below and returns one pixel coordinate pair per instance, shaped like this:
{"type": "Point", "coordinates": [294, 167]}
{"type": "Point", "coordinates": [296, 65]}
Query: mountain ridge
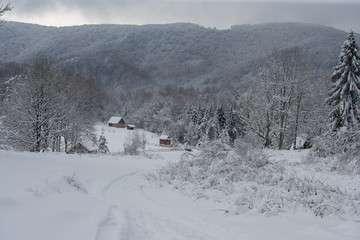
{"type": "Point", "coordinates": [127, 57]}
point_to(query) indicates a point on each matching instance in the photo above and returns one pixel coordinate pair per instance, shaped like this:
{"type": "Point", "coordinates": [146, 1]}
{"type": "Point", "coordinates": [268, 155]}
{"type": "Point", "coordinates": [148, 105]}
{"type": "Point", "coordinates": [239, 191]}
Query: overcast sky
{"type": "Point", "coordinates": [341, 14]}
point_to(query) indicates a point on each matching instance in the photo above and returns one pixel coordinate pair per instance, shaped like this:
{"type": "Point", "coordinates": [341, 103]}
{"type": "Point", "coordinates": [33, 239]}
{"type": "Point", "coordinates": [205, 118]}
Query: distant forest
{"type": "Point", "coordinates": [268, 82]}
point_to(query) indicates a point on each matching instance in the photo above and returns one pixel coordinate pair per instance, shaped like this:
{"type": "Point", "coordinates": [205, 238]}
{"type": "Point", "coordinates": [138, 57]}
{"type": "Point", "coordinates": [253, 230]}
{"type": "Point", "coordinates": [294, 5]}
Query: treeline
{"type": "Point", "coordinates": [44, 106]}
{"type": "Point", "coordinates": [283, 101]}
{"type": "Point", "coordinates": [209, 124]}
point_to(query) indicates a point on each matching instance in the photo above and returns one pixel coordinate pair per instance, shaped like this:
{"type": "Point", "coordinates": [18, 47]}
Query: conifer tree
{"type": "Point", "coordinates": [344, 96]}
{"type": "Point", "coordinates": [221, 118]}
{"type": "Point", "coordinates": [235, 125]}
{"type": "Point", "coordinates": [210, 124]}
{"type": "Point", "coordinates": [102, 145]}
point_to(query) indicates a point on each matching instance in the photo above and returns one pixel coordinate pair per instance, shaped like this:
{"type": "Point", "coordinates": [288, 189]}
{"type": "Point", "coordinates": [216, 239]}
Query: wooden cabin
{"type": "Point", "coordinates": [82, 148]}
{"type": "Point", "coordinates": [117, 122]}
{"type": "Point", "coordinates": [165, 140]}
{"type": "Point", "coordinates": [130, 127]}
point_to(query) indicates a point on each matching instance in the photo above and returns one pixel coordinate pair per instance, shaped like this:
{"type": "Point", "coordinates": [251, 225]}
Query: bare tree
{"type": "Point", "coordinates": [46, 105]}
{"type": "Point", "coordinates": [258, 110]}
{"type": "Point", "coordinates": [4, 9]}
{"type": "Point", "coordinates": [273, 97]}
{"type": "Point", "coordinates": [285, 68]}
{"type": "Point", "coordinates": [134, 143]}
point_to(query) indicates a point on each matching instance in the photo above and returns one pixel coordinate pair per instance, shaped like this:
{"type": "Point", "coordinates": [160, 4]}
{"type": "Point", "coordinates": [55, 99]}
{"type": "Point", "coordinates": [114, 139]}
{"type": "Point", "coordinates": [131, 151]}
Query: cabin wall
{"type": "Point", "coordinates": [117, 125]}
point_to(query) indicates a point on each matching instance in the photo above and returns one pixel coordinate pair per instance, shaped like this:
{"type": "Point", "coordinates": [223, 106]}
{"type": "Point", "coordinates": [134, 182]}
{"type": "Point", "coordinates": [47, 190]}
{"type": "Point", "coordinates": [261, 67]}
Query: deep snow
{"type": "Point", "coordinates": [59, 196]}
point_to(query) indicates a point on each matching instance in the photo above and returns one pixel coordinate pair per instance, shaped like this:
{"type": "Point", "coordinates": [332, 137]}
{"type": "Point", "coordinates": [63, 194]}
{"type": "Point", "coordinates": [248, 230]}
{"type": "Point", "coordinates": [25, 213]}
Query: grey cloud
{"type": "Point", "coordinates": [25, 7]}
{"type": "Point", "coordinates": [208, 13]}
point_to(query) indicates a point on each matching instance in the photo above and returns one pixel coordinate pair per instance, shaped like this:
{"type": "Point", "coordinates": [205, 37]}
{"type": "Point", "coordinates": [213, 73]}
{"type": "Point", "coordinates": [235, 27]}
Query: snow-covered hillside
{"type": "Point", "coordinates": [124, 57]}
{"type": "Point", "coordinates": [117, 137]}
{"type": "Point", "coordinates": [59, 196]}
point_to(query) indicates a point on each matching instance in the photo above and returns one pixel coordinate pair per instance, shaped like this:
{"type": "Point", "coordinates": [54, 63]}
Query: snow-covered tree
{"type": "Point", "coordinates": [220, 120]}
{"type": "Point", "coordinates": [258, 108]}
{"type": "Point", "coordinates": [284, 66]}
{"type": "Point", "coordinates": [191, 136]}
{"type": "Point", "coordinates": [344, 96]}
{"type": "Point", "coordinates": [44, 106]}
{"type": "Point", "coordinates": [273, 98]}
{"type": "Point", "coordinates": [224, 136]}
{"type": "Point", "coordinates": [133, 144]}
{"type": "Point", "coordinates": [102, 145]}
{"type": "Point", "coordinates": [235, 125]}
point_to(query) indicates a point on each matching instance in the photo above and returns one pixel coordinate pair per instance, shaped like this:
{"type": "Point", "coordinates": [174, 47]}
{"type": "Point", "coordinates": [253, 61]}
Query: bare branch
{"type": "Point", "coordinates": [3, 9]}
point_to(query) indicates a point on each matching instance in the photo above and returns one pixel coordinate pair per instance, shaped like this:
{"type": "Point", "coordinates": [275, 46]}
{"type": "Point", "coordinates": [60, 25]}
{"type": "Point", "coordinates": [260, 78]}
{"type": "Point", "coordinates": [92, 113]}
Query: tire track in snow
{"type": "Point", "coordinates": [108, 228]}
{"type": "Point", "coordinates": [127, 217]}
{"type": "Point", "coordinates": [115, 183]}
{"type": "Point", "coordinates": [134, 216]}
{"type": "Point", "coordinates": [138, 221]}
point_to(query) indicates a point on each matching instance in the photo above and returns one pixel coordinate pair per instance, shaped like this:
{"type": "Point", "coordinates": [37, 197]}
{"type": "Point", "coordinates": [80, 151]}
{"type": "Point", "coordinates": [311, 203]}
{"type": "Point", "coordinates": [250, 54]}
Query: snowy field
{"type": "Point", "coordinates": [117, 137]}
{"type": "Point", "coordinates": [103, 197]}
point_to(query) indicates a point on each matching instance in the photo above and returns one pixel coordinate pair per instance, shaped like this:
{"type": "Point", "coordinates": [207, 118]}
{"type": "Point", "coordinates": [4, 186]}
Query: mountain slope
{"type": "Point", "coordinates": [126, 57]}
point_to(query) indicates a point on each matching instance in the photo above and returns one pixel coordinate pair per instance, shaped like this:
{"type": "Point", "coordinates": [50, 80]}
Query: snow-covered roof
{"type": "Point", "coordinates": [89, 144]}
{"type": "Point", "coordinates": [164, 137]}
{"type": "Point", "coordinates": [131, 125]}
{"type": "Point", "coordinates": [115, 119]}
{"type": "Point", "coordinates": [86, 143]}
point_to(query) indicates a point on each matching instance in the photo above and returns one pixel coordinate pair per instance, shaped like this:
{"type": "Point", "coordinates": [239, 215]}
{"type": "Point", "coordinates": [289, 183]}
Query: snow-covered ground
{"type": "Point", "coordinates": [60, 196]}
{"type": "Point", "coordinates": [117, 137]}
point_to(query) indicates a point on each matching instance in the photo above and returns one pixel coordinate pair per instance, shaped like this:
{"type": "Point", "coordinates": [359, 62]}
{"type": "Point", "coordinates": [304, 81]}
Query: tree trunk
{"type": "Point", "coordinates": [53, 145]}
{"type": "Point", "coordinates": [298, 102]}
{"type": "Point", "coordinates": [59, 143]}
{"type": "Point", "coordinates": [66, 144]}
{"type": "Point", "coordinates": [268, 129]}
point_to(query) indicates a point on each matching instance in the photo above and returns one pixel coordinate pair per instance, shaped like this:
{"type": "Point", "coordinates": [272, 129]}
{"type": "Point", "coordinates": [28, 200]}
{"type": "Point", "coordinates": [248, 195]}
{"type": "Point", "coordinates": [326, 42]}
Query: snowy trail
{"type": "Point", "coordinates": [133, 217]}
{"type": "Point", "coordinates": [134, 213]}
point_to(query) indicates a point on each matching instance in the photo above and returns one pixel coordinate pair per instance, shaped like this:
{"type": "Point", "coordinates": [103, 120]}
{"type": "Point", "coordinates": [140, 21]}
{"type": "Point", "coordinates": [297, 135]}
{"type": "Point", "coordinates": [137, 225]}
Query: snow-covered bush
{"type": "Point", "coordinates": [74, 181]}
{"type": "Point", "coordinates": [252, 155]}
{"type": "Point", "coordinates": [342, 146]}
{"type": "Point", "coordinates": [58, 184]}
{"type": "Point", "coordinates": [320, 147]}
{"type": "Point", "coordinates": [133, 144]}
{"type": "Point", "coordinates": [248, 180]}
{"type": "Point", "coordinates": [350, 157]}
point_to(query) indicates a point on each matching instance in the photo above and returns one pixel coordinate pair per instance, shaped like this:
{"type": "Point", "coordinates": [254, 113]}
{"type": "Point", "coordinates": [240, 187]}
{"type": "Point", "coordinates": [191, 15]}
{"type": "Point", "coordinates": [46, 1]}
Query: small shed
{"type": "Point", "coordinates": [165, 140]}
{"type": "Point", "coordinates": [302, 142]}
{"type": "Point", "coordinates": [117, 122]}
{"type": "Point", "coordinates": [83, 148]}
{"type": "Point", "coordinates": [130, 127]}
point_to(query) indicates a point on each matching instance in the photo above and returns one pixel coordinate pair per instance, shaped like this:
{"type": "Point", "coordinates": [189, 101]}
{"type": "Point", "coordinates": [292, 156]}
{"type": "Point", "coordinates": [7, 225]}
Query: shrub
{"type": "Point", "coordinates": [133, 144]}
{"type": "Point", "coordinates": [248, 181]}
{"type": "Point", "coordinates": [343, 146]}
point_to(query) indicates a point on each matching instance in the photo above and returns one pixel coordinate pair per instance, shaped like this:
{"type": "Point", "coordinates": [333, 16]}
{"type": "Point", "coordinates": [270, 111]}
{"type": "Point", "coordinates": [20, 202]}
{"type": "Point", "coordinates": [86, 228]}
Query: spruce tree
{"type": "Point", "coordinates": [344, 96]}
{"type": "Point", "coordinates": [221, 118]}
{"type": "Point", "coordinates": [102, 145]}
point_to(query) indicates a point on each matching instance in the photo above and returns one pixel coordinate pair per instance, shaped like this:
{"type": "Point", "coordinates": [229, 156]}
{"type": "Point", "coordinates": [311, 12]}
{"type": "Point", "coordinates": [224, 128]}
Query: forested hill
{"type": "Point", "coordinates": [123, 57]}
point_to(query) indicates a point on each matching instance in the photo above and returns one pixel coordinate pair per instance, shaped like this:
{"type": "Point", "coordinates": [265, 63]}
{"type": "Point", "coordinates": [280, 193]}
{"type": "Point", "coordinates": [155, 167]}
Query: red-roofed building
{"type": "Point", "coordinates": [165, 140]}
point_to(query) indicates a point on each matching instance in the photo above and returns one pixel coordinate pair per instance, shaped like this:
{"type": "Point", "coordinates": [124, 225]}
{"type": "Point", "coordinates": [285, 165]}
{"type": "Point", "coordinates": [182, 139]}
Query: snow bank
{"type": "Point", "coordinates": [44, 196]}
